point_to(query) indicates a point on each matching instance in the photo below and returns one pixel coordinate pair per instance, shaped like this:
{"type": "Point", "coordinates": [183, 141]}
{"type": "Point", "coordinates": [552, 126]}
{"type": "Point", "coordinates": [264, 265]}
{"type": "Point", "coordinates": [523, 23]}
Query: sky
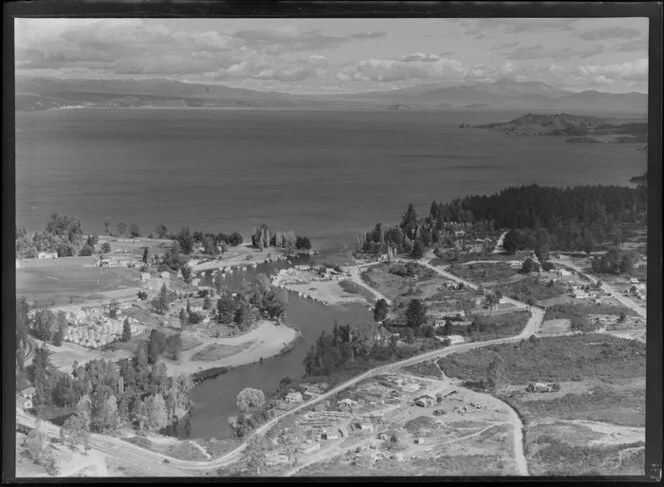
{"type": "Point", "coordinates": [340, 55]}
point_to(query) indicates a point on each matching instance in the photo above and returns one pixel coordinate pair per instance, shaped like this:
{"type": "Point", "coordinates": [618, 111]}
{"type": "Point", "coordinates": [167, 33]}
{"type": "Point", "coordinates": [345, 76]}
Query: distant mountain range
{"type": "Point", "coordinates": [506, 94]}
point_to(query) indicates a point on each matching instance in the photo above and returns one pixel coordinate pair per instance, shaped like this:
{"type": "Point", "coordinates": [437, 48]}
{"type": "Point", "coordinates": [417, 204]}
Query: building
{"type": "Point", "coordinates": [276, 459]}
{"type": "Point", "coordinates": [47, 255]}
{"type": "Point", "coordinates": [293, 397]}
{"type": "Point", "coordinates": [633, 280]}
{"type": "Point", "coordinates": [564, 273]}
{"type": "Point", "coordinates": [311, 448]}
{"type": "Point", "coordinates": [347, 403]}
{"type": "Point", "coordinates": [145, 277]}
{"type": "Point", "coordinates": [410, 387]}
{"type": "Point", "coordinates": [515, 264]}
{"type": "Point", "coordinates": [329, 436]}
{"type": "Point", "coordinates": [165, 275]}
{"type": "Point", "coordinates": [24, 398]}
{"type": "Point", "coordinates": [425, 401]}
{"type": "Point", "coordinates": [579, 294]}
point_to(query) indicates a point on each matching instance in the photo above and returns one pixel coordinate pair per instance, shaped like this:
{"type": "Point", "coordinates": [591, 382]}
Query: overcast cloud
{"type": "Point", "coordinates": [336, 55]}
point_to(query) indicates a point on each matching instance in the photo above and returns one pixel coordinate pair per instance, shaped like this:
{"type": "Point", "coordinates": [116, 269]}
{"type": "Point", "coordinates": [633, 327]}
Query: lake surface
{"type": "Point", "coordinates": [329, 175]}
{"type": "Point", "coordinates": [326, 174]}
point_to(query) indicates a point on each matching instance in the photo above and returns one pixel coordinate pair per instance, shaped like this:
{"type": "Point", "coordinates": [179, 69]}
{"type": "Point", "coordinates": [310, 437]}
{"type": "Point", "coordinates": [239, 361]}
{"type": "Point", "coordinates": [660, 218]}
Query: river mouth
{"type": "Point", "coordinates": [214, 398]}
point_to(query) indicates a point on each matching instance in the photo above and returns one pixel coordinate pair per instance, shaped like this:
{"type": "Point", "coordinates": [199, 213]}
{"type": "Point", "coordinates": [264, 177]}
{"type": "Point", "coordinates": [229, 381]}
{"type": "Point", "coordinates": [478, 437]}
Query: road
{"type": "Point", "coordinates": [355, 276]}
{"type": "Point", "coordinates": [605, 287]}
{"type": "Point", "coordinates": [134, 452]}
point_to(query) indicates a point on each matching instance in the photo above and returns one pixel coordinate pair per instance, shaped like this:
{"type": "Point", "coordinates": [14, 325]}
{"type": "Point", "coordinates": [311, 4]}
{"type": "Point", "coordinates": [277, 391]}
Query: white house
{"type": "Point", "coordinates": [564, 273]}
{"type": "Point", "coordinates": [425, 401]}
{"type": "Point", "coordinates": [347, 403]}
{"type": "Point", "coordinates": [165, 275]}
{"type": "Point", "coordinates": [47, 255]}
{"type": "Point", "coordinates": [293, 397]}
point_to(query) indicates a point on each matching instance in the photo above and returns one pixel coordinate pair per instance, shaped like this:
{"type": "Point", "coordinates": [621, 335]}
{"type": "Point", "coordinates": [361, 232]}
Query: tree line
{"type": "Point", "coordinates": [263, 237]}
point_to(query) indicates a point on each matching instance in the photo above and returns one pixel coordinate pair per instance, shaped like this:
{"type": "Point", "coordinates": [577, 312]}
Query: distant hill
{"type": "Point", "coordinates": [44, 93]}
{"type": "Point", "coordinates": [578, 128]}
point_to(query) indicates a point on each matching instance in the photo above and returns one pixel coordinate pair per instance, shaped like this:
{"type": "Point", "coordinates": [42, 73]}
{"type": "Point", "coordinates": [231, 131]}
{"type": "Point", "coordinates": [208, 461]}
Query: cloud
{"type": "Point", "coordinates": [419, 57]}
{"type": "Point", "coordinates": [629, 71]}
{"type": "Point", "coordinates": [631, 46]}
{"type": "Point", "coordinates": [418, 66]}
{"type": "Point", "coordinates": [294, 40]}
{"type": "Point", "coordinates": [541, 52]}
{"type": "Point", "coordinates": [613, 32]}
{"type": "Point", "coordinates": [478, 28]}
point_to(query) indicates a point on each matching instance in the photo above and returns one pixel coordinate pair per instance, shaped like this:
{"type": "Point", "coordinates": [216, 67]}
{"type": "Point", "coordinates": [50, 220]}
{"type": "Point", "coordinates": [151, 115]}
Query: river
{"type": "Point", "coordinates": [214, 399]}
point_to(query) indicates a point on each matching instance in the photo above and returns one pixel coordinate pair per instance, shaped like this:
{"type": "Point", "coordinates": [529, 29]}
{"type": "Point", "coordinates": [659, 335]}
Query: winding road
{"type": "Point", "coordinates": [134, 453]}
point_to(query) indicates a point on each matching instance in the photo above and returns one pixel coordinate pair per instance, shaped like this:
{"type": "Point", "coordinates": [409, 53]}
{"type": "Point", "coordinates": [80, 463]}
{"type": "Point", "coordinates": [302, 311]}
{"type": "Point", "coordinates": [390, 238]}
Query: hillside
{"type": "Point", "coordinates": [578, 128]}
{"type": "Point", "coordinates": [45, 93]}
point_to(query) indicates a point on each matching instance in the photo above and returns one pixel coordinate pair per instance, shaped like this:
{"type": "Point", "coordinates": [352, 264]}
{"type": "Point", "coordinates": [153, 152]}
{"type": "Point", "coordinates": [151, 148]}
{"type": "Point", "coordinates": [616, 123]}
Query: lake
{"type": "Point", "coordinates": [325, 174]}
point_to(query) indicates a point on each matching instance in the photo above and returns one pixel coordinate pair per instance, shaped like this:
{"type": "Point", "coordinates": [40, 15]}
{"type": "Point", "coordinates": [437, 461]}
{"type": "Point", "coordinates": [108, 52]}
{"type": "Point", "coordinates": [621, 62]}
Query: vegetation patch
{"type": "Point", "coordinates": [141, 441]}
{"type": "Point", "coordinates": [424, 369]}
{"type": "Point", "coordinates": [550, 456]}
{"type": "Point", "coordinates": [553, 359]}
{"type": "Point", "coordinates": [398, 280]}
{"type": "Point", "coordinates": [483, 272]}
{"type": "Point", "coordinates": [577, 314]}
{"type": "Point", "coordinates": [353, 288]}
{"type": "Point", "coordinates": [218, 352]}
{"type": "Point", "coordinates": [185, 450]}
{"type": "Point", "coordinates": [421, 422]}
{"type": "Point", "coordinates": [531, 288]}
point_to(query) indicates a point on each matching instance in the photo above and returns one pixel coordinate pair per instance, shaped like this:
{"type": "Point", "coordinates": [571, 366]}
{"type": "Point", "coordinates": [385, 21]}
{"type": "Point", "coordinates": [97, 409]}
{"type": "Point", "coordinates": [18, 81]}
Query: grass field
{"type": "Point", "coordinates": [490, 326]}
{"type": "Point", "coordinates": [578, 314]}
{"type": "Point", "coordinates": [531, 288]}
{"type": "Point", "coordinates": [554, 359]}
{"type": "Point", "coordinates": [483, 272]}
{"type": "Point", "coordinates": [394, 286]}
{"type": "Point", "coordinates": [60, 279]}
{"type": "Point", "coordinates": [353, 288]}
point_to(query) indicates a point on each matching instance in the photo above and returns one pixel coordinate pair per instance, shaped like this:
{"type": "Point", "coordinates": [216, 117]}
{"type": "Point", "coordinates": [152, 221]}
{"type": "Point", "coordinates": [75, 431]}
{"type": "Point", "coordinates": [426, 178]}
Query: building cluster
{"type": "Point", "coordinates": [93, 329]}
{"type": "Point", "coordinates": [116, 261]}
{"type": "Point", "coordinates": [47, 255]}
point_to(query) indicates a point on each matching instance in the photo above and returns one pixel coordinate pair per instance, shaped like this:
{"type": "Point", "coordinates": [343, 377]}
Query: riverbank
{"type": "Point", "coordinates": [307, 284]}
{"type": "Point", "coordinates": [266, 340]}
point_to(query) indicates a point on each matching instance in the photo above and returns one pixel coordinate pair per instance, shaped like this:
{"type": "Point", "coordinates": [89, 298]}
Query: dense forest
{"type": "Point", "coordinates": [572, 218]}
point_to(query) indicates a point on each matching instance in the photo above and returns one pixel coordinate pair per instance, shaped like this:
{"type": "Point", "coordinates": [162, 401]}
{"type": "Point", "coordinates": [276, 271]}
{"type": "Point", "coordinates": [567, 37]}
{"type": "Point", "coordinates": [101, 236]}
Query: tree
{"type": "Point", "coordinates": [134, 230]}
{"type": "Point", "coordinates": [250, 400]}
{"type": "Point", "coordinates": [107, 225]}
{"type": "Point", "coordinates": [510, 242]}
{"type": "Point", "coordinates": [528, 266]}
{"type": "Point", "coordinates": [491, 300]}
{"type": "Point", "coordinates": [226, 307]}
{"type": "Point", "coordinates": [416, 313]}
{"type": "Point", "coordinates": [380, 310]}
{"type": "Point", "coordinates": [496, 372]}
{"type": "Point", "coordinates": [186, 272]}
{"type": "Point", "coordinates": [146, 253]}
{"type": "Point", "coordinates": [418, 250]}
{"type": "Point", "coordinates": [163, 300]}
{"type": "Point", "coordinates": [44, 325]}
{"type": "Point", "coordinates": [186, 240]}
{"type": "Point", "coordinates": [57, 338]}
{"type": "Point", "coordinates": [36, 443]}
{"type": "Point", "coordinates": [122, 228]}
{"type": "Point", "coordinates": [86, 251]}
{"type": "Point", "coordinates": [126, 330]}
{"type": "Point", "coordinates": [22, 321]}
{"type": "Point", "coordinates": [409, 222]}
{"type": "Point", "coordinates": [161, 231]}
{"type": "Point", "coordinates": [447, 328]}
{"type": "Point", "coordinates": [141, 355]}
{"type": "Point", "coordinates": [105, 248]}
{"type": "Point", "coordinates": [157, 413]}
{"type": "Point", "coordinates": [113, 308]}
{"type": "Point", "coordinates": [207, 303]}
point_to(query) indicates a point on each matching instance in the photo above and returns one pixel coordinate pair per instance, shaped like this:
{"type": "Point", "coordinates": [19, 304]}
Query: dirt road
{"type": "Point", "coordinates": [355, 277]}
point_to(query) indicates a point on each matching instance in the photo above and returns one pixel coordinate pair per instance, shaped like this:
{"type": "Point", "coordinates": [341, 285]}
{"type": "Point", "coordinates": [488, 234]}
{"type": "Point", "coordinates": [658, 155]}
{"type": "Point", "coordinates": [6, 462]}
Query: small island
{"type": "Point", "coordinates": [577, 128]}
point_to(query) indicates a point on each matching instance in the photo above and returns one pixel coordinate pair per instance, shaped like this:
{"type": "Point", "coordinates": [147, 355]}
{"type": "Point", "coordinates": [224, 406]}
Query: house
{"type": "Point", "coordinates": [24, 398]}
{"type": "Point", "coordinates": [47, 255]}
{"type": "Point", "coordinates": [293, 397]}
{"type": "Point", "coordinates": [579, 294]}
{"type": "Point", "coordinates": [633, 280]}
{"type": "Point", "coordinates": [411, 387]}
{"type": "Point", "coordinates": [165, 275]}
{"type": "Point", "coordinates": [276, 459]}
{"type": "Point", "coordinates": [459, 233]}
{"type": "Point", "coordinates": [425, 401]}
{"type": "Point", "coordinates": [419, 441]}
{"type": "Point", "coordinates": [311, 448]}
{"type": "Point", "coordinates": [105, 262]}
{"type": "Point", "coordinates": [329, 436]}
{"type": "Point", "coordinates": [564, 273]}
{"type": "Point", "coordinates": [363, 426]}
{"type": "Point", "coordinates": [347, 403]}
{"type": "Point", "coordinates": [515, 264]}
